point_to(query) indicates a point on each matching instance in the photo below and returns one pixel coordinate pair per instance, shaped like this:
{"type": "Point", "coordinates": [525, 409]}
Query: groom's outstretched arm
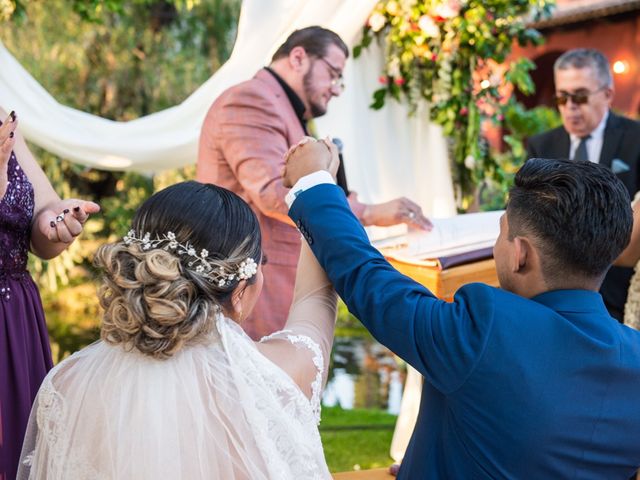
{"type": "Point", "coordinates": [443, 341]}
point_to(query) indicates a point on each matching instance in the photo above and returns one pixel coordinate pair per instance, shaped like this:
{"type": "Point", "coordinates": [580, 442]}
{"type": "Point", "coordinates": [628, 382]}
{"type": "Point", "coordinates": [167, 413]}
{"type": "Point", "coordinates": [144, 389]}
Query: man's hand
{"type": "Point", "coordinates": [309, 156]}
{"type": "Point", "coordinates": [400, 210]}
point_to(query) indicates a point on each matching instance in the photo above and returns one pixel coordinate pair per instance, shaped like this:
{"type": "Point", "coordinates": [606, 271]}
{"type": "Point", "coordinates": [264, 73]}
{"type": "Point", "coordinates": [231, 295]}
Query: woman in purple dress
{"type": "Point", "coordinates": [32, 217]}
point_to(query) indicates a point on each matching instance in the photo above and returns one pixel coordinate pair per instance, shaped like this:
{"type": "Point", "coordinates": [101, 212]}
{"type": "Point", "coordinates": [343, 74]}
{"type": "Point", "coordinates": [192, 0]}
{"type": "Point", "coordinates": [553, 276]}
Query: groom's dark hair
{"type": "Point", "coordinates": [578, 213]}
{"type": "Point", "coordinates": [315, 41]}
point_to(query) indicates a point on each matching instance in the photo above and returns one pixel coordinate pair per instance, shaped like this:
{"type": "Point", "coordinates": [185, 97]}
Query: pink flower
{"type": "Point", "coordinates": [464, 111]}
{"type": "Point", "coordinates": [383, 79]}
{"type": "Point", "coordinates": [400, 81]}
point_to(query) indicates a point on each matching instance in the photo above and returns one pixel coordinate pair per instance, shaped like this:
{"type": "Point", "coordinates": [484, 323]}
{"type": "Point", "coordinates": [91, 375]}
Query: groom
{"type": "Point", "coordinates": [532, 380]}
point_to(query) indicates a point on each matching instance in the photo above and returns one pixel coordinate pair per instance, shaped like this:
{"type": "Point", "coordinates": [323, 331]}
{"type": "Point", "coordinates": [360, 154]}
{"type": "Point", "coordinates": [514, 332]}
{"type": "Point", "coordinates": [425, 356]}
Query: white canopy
{"type": "Point", "coordinates": [386, 154]}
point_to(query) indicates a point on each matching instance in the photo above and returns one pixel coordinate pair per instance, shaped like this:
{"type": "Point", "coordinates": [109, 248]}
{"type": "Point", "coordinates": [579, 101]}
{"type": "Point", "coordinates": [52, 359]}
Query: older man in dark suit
{"type": "Point", "coordinates": [590, 131]}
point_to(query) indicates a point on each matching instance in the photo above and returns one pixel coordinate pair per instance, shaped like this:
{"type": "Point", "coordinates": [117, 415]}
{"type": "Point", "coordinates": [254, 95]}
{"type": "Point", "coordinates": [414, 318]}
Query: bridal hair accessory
{"type": "Point", "coordinates": [221, 275]}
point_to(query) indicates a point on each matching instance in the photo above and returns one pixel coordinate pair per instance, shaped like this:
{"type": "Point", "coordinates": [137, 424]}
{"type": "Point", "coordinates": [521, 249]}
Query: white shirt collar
{"type": "Point", "coordinates": [597, 133]}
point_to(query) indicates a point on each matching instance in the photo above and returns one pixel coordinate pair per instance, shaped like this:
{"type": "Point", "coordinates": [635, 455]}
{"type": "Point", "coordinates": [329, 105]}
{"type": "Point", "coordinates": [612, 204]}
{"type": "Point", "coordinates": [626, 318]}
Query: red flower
{"type": "Point", "coordinates": [400, 81]}
{"type": "Point", "coordinates": [464, 111]}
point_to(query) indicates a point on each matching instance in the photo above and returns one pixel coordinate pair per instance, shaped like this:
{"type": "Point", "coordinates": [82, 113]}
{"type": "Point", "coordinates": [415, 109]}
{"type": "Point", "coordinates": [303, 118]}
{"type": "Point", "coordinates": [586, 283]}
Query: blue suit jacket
{"type": "Point", "coordinates": [542, 388]}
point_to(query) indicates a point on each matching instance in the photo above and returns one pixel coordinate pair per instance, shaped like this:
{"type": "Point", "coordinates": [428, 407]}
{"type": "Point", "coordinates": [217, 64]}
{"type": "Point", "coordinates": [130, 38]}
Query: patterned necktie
{"type": "Point", "coordinates": [581, 152]}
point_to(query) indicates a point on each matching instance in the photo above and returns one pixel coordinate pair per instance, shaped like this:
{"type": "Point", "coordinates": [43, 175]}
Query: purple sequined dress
{"type": "Point", "coordinates": [25, 356]}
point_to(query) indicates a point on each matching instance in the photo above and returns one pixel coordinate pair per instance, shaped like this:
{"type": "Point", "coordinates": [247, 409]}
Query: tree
{"type": "Point", "coordinates": [120, 59]}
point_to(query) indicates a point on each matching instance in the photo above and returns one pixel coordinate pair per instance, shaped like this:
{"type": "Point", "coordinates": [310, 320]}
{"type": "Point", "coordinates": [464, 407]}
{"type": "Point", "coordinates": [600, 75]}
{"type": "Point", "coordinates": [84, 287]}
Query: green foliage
{"type": "Point", "coordinates": [452, 54]}
{"type": "Point", "coordinates": [518, 75]}
{"type": "Point", "coordinates": [356, 439]}
{"type": "Point", "coordinates": [347, 325]}
{"type": "Point", "coordinates": [522, 123]}
{"type": "Point", "coordinates": [120, 59]}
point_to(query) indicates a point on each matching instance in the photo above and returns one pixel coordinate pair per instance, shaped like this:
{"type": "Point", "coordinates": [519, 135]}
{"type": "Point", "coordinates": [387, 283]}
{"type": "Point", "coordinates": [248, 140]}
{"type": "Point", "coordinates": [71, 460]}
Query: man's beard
{"type": "Point", "coordinates": [315, 109]}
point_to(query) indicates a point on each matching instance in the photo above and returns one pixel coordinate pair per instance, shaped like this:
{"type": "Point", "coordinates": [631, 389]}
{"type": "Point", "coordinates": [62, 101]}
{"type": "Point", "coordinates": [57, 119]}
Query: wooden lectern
{"type": "Point", "coordinates": [443, 284]}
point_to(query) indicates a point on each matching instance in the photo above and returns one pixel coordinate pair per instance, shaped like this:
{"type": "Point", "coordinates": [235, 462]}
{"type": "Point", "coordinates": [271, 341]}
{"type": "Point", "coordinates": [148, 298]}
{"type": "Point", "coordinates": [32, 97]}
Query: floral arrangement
{"type": "Point", "coordinates": [452, 54]}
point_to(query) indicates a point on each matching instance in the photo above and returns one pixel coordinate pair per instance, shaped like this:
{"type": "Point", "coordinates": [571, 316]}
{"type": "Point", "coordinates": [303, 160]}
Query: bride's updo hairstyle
{"type": "Point", "coordinates": [157, 294]}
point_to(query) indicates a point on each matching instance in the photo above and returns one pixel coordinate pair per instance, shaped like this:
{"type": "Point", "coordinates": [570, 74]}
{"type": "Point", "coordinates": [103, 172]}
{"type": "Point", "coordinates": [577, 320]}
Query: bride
{"type": "Point", "coordinates": [175, 389]}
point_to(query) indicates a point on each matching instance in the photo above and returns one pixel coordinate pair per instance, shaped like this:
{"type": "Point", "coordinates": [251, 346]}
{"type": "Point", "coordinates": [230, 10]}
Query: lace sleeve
{"type": "Point", "coordinates": [313, 312]}
{"type": "Point", "coordinates": [318, 363]}
{"type": "Point", "coordinates": [311, 323]}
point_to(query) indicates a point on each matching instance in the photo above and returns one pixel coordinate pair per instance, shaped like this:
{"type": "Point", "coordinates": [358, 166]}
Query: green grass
{"type": "Point", "coordinates": [356, 438]}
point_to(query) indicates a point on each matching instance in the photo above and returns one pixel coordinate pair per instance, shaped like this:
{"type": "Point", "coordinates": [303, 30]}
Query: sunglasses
{"type": "Point", "coordinates": [577, 98]}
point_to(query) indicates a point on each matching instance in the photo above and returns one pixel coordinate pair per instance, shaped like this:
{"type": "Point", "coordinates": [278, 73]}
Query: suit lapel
{"type": "Point", "coordinates": [294, 128]}
{"type": "Point", "coordinates": [611, 140]}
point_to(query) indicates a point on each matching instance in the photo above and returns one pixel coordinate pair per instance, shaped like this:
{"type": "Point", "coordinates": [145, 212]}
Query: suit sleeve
{"type": "Point", "coordinates": [444, 341]}
{"type": "Point", "coordinates": [253, 139]}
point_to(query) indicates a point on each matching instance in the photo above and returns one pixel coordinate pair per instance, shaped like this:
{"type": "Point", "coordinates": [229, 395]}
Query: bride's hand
{"type": "Point", "coordinates": [310, 156]}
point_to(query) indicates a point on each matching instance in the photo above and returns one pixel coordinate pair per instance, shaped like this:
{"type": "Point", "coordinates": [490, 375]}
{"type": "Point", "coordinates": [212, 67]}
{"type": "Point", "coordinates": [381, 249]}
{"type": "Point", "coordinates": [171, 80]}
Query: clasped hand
{"type": "Point", "coordinates": [309, 156]}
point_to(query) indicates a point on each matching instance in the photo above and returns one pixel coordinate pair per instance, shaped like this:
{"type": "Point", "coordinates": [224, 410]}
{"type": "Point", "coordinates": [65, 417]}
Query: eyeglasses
{"type": "Point", "coordinates": [336, 75]}
{"type": "Point", "coordinates": [577, 98]}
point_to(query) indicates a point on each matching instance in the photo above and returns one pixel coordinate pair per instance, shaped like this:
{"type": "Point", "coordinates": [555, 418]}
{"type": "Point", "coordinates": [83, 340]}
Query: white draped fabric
{"type": "Point", "coordinates": [386, 154]}
{"type": "Point", "coordinates": [219, 409]}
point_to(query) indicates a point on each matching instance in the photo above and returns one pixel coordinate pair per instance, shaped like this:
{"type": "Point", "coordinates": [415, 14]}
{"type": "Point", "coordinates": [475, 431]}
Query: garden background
{"type": "Point", "coordinates": [124, 59]}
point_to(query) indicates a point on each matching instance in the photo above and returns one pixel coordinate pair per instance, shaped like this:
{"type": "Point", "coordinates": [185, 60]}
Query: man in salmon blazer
{"type": "Point", "coordinates": [245, 135]}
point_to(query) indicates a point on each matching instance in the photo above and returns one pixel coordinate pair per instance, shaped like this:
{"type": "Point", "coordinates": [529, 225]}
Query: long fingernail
{"type": "Point", "coordinates": [13, 115]}
{"type": "Point", "coordinates": [65, 211]}
{"type": "Point", "coordinates": [53, 224]}
{"type": "Point", "coordinates": [76, 209]}
{"type": "Point", "coordinates": [10, 134]}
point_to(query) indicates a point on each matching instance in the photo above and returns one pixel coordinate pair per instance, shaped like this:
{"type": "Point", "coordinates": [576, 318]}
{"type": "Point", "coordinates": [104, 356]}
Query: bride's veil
{"type": "Point", "coordinates": [207, 412]}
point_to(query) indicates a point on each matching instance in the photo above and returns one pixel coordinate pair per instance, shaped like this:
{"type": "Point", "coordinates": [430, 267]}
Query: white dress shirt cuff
{"type": "Point", "coordinates": [306, 182]}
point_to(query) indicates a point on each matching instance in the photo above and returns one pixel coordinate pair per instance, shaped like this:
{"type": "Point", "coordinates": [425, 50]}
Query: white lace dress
{"type": "Point", "coordinates": [225, 409]}
{"type": "Point", "coordinates": [632, 306]}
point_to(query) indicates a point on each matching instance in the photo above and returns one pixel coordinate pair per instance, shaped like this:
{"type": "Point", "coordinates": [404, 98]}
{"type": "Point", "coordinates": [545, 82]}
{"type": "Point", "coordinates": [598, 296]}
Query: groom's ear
{"type": "Point", "coordinates": [521, 252]}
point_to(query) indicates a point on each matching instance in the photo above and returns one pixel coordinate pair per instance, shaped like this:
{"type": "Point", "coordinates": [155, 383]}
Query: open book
{"type": "Point", "coordinates": [453, 241]}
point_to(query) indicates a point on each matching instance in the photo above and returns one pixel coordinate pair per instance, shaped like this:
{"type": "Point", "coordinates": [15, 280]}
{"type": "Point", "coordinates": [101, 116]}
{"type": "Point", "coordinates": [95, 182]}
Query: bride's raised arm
{"type": "Point", "coordinates": [303, 348]}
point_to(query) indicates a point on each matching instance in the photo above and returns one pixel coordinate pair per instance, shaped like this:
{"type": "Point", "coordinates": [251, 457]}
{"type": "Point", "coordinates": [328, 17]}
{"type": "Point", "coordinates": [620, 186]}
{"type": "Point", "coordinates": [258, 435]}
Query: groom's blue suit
{"type": "Point", "coordinates": [542, 388]}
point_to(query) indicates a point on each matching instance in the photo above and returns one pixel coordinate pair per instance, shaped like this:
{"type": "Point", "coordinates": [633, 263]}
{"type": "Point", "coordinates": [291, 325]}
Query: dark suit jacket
{"type": "Point", "coordinates": [622, 142]}
{"type": "Point", "coordinates": [514, 388]}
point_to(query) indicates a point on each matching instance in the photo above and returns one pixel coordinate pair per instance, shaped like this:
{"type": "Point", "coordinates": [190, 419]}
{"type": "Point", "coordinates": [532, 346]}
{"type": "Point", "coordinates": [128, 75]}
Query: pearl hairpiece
{"type": "Point", "coordinates": [221, 275]}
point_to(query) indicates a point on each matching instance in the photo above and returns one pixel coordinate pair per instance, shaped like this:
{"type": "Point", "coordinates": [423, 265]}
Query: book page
{"type": "Point", "coordinates": [450, 236]}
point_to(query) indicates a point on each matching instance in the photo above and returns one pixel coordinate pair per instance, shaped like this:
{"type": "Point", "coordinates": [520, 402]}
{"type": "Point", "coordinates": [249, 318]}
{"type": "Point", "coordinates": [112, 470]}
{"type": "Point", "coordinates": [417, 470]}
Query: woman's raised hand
{"type": "Point", "coordinates": [7, 142]}
{"type": "Point", "coordinates": [64, 220]}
